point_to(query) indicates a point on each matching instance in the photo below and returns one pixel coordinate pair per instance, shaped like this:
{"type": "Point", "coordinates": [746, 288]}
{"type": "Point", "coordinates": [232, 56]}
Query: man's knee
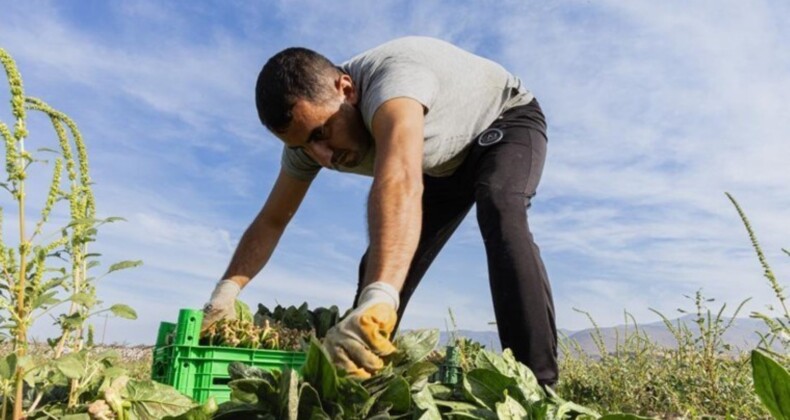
{"type": "Point", "coordinates": [500, 206]}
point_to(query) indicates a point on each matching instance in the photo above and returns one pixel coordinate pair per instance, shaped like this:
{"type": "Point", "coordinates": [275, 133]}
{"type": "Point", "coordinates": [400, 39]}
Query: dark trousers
{"type": "Point", "coordinates": [500, 175]}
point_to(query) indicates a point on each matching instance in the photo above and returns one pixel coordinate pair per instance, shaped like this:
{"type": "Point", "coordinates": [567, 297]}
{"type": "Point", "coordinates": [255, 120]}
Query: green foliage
{"type": "Point", "coordinates": [697, 376]}
{"type": "Point", "coordinates": [281, 329]}
{"type": "Point", "coordinates": [123, 311]}
{"type": "Point", "coordinates": [779, 324]}
{"type": "Point", "coordinates": [319, 320]}
{"type": "Point", "coordinates": [700, 376]}
{"type": "Point", "coordinates": [243, 312]}
{"type": "Point", "coordinates": [772, 383]}
{"type": "Point", "coordinates": [124, 265]}
{"type": "Point", "coordinates": [49, 267]}
{"type": "Point", "coordinates": [771, 380]}
{"type": "Point", "coordinates": [497, 386]}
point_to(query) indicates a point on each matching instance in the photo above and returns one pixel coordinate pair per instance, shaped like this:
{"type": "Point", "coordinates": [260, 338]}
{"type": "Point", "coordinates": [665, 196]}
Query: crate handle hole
{"type": "Point", "coordinates": [221, 381]}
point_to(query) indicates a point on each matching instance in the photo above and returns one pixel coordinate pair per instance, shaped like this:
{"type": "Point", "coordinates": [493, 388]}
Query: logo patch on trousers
{"type": "Point", "coordinates": [490, 136]}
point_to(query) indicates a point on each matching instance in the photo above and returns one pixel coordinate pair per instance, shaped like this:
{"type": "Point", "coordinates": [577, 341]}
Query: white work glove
{"type": "Point", "coordinates": [222, 304]}
{"type": "Point", "coordinates": [357, 343]}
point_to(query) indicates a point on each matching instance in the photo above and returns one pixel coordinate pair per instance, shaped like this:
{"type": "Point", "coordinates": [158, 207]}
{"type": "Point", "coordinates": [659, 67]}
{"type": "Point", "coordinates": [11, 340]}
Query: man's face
{"type": "Point", "coordinates": [332, 133]}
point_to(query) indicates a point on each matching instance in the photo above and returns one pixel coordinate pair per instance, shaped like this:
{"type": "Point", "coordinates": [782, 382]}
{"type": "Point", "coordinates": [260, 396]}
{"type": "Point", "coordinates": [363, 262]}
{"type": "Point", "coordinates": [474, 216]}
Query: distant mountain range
{"type": "Point", "coordinates": [742, 335]}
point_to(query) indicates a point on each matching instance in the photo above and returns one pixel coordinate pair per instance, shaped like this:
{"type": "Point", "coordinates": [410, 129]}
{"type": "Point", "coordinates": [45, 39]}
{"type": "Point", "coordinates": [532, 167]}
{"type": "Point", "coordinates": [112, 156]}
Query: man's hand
{"type": "Point", "coordinates": [357, 343]}
{"type": "Point", "coordinates": [222, 304]}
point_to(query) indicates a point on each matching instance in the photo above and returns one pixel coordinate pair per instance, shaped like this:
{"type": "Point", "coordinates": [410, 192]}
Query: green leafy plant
{"type": "Point", "coordinates": [698, 375]}
{"type": "Point", "coordinates": [318, 320]}
{"type": "Point", "coordinates": [772, 384]}
{"type": "Point", "coordinates": [48, 269]}
{"type": "Point", "coordinates": [284, 328]}
{"type": "Point", "coordinates": [495, 386]}
{"type": "Point", "coordinates": [769, 366]}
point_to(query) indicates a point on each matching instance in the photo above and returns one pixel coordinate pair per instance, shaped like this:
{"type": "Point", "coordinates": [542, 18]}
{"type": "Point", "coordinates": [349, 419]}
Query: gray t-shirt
{"type": "Point", "coordinates": [462, 93]}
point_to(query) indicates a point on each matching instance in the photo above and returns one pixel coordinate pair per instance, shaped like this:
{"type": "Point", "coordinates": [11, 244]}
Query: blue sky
{"type": "Point", "coordinates": [654, 110]}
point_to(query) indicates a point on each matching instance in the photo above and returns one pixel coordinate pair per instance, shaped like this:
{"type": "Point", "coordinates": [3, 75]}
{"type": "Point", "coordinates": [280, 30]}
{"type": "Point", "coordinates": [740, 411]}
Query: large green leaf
{"type": "Point", "coordinates": [424, 401]}
{"type": "Point", "coordinates": [243, 311]}
{"type": "Point", "coordinates": [352, 397]}
{"type": "Point", "coordinates": [309, 402]}
{"type": "Point", "coordinates": [507, 365]}
{"type": "Point", "coordinates": [413, 346]}
{"type": "Point", "coordinates": [571, 409]}
{"type": "Point", "coordinates": [487, 386]}
{"type": "Point", "coordinates": [233, 410]}
{"type": "Point", "coordinates": [72, 365]}
{"type": "Point", "coordinates": [440, 391]}
{"type": "Point", "coordinates": [123, 311]}
{"type": "Point", "coordinates": [458, 406]}
{"type": "Point", "coordinates": [419, 372]}
{"type": "Point", "coordinates": [152, 400]}
{"type": "Point", "coordinates": [247, 390]}
{"type": "Point", "coordinates": [772, 384]}
{"type": "Point", "coordinates": [319, 414]}
{"type": "Point", "coordinates": [525, 378]}
{"type": "Point", "coordinates": [379, 382]}
{"type": "Point", "coordinates": [510, 409]}
{"type": "Point", "coordinates": [397, 395]}
{"type": "Point", "coordinates": [489, 360]}
{"type": "Point", "coordinates": [324, 319]}
{"type": "Point", "coordinates": [319, 371]}
{"type": "Point", "coordinates": [200, 412]}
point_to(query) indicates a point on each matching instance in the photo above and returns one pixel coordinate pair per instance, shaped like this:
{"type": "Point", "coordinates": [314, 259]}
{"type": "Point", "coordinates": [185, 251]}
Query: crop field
{"type": "Point", "coordinates": [71, 377]}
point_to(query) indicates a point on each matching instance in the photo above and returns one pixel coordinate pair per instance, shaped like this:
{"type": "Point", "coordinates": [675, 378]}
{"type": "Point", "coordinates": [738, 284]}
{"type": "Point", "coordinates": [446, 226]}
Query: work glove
{"type": "Point", "coordinates": [357, 343]}
{"type": "Point", "coordinates": [222, 304]}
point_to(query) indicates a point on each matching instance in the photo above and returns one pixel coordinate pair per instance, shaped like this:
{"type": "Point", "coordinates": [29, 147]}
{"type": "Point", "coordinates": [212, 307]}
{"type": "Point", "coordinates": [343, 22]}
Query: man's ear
{"type": "Point", "coordinates": [346, 86]}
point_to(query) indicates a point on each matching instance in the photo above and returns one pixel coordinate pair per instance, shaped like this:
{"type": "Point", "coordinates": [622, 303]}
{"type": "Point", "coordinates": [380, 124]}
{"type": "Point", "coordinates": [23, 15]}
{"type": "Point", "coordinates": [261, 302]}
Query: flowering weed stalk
{"type": "Point", "coordinates": [779, 325]}
{"type": "Point", "coordinates": [44, 271]}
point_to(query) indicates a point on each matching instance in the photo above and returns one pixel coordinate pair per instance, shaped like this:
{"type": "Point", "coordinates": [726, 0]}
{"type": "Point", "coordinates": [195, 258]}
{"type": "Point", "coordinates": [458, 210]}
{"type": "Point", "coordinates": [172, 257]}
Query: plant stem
{"type": "Point", "coordinates": [35, 403]}
{"type": "Point", "coordinates": [21, 332]}
{"type": "Point", "coordinates": [5, 405]}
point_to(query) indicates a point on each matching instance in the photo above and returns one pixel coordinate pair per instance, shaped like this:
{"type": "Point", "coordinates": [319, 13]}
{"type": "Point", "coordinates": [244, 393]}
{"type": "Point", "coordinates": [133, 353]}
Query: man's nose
{"type": "Point", "coordinates": [321, 152]}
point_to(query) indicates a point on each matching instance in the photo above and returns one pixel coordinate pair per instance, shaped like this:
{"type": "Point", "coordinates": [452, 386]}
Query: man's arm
{"type": "Point", "coordinates": [358, 342]}
{"type": "Point", "coordinates": [395, 201]}
{"type": "Point", "coordinates": [261, 237]}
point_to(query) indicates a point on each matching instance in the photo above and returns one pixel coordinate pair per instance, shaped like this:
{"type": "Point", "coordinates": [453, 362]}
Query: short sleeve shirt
{"type": "Point", "coordinates": [462, 94]}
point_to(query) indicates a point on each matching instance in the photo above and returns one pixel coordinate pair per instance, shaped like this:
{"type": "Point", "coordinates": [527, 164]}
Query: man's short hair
{"type": "Point", "coordinates": [292, 74]}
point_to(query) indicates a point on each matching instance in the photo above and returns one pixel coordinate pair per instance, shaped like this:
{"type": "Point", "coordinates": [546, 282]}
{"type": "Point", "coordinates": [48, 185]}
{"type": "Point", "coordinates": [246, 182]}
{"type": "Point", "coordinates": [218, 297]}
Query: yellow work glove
{"type": "Point", "coordinates": [357, 343]}
{"type": "Point", "coordinates": [222, 304]}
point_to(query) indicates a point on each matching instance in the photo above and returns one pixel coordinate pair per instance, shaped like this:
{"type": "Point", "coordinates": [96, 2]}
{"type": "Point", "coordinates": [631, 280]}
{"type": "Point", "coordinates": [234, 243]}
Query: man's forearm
{"type": "Point", "coordinates": [253, 252]}
{"type": "Point", "coordinates": [261, 237]}
{"type": "Point", "coordinates": [394, 219]}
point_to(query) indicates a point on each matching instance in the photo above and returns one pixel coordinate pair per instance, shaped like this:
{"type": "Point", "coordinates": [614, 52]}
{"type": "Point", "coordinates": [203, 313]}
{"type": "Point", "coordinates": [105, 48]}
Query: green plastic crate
{"type": "Point", "coordinates": [202, 371]}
